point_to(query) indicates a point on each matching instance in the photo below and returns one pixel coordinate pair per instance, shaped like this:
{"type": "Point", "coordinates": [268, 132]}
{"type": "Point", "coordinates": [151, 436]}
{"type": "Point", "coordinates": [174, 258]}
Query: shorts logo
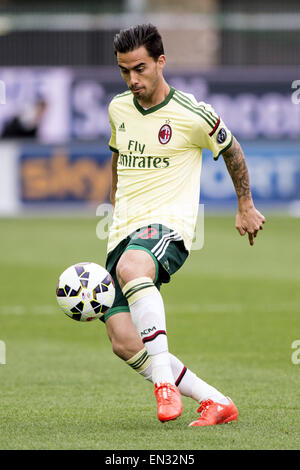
{"type": "Point", "coordinates": [222, 135]}
{"type": "Point", "coordinates": [165, 134]}
{"type": "Point", "coordinates": [149, 232]}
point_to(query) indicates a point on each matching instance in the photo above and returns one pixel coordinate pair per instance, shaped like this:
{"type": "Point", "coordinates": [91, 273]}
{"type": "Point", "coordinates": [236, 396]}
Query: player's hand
{"type": "Point", "coordinates": [249, 220]}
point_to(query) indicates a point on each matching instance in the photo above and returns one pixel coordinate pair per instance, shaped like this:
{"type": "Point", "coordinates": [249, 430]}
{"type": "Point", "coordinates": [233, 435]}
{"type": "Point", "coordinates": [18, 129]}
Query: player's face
{"type": "Point", "coordinates": [141, 72]}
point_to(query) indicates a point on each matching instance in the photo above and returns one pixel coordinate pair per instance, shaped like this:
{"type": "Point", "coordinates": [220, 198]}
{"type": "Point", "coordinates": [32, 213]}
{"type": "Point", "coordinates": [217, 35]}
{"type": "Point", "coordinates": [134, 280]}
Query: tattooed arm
{"type": "Point", "coordinates": [249, 219]}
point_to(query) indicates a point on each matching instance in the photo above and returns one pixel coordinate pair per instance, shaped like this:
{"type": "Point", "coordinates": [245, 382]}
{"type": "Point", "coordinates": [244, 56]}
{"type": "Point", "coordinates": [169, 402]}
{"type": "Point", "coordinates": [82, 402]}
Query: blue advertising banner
{"type": "Point", "coordinates": [64, 174]}
{"type": "Point", "coordinates": [274, 170]}
{"type": "Point", "coordinates": [69, 162]}
{"type": "Point", "coordinates": [82, 173]}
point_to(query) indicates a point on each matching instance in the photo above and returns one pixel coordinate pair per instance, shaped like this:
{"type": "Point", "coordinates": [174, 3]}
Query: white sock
{"type": "Point", "coordinates": [201, 390]}
{"type": "Point", "coordinates": [148, 315]}
{"type": "Point", "coordinates": [188, 383]}
{"type": "Point", "coordinates": [161, 368]}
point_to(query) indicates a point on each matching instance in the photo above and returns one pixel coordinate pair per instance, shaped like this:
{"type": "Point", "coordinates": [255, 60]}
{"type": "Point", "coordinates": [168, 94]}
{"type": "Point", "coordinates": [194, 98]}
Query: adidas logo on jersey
{"type": "Point", "coordinates": [122, 127]}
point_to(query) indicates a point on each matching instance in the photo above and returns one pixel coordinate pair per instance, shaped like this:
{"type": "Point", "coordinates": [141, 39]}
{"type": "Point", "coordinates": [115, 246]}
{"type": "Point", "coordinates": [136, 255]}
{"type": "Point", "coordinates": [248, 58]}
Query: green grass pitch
{"type": "Point", "coordinates": [232, 316]}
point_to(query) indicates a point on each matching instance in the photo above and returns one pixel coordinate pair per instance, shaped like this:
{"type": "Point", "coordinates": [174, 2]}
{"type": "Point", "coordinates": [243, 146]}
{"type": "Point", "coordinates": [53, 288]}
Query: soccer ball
{"type": "Point", "coordinates": [85, 291]}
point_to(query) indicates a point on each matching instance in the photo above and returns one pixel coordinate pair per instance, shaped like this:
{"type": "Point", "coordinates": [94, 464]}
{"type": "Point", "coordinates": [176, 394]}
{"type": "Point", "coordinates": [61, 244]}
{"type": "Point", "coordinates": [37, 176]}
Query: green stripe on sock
{"type": "Point", "coordinates": [139, 362]}
{"type": "Point", "coordinates": [133, 290]}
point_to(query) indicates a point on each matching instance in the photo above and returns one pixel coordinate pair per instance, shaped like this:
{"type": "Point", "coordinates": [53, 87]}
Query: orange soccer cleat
{"type": "Point", "coordinates": [215, 413]}
{"type": "Point", "coordinates": [169, 404]}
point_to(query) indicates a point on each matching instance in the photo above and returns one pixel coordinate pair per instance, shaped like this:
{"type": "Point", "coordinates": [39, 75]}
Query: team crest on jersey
{"type": "Point", "coordinates": [165, 134]}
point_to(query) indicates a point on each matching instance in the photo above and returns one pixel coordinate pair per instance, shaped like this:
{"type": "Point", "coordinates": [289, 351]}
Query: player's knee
{"type": "Point", "coordinates": [134, 264]}
{"type": "Point", "coordinates": [125, 272]}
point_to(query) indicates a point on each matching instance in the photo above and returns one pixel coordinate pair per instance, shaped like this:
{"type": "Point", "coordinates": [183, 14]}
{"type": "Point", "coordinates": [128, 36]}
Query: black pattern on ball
{"type": "Point", "coordinates": [76, 316]}
{"type": "Point", "coordinates": [78, 307]}
{"type": "Point", "coordinates": [60, 292]}
{"type": "Point", "coordinates": [74, 292]}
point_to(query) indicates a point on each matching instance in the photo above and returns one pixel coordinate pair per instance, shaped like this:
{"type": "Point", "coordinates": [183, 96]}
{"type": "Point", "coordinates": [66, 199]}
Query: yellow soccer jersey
{"type": "Point", "coordinates": [159, 164]}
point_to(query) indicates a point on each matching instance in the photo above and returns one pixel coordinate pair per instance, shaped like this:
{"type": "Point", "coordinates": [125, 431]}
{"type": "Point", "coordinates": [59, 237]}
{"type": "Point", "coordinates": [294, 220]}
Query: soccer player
{"type": "Point", "coordinates": [157, 137]}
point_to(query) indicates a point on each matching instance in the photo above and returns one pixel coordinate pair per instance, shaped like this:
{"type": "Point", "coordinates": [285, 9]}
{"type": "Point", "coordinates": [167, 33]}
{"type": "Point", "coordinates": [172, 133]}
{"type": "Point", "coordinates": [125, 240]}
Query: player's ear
{"type": "Point", "coordinates": [161, 61]}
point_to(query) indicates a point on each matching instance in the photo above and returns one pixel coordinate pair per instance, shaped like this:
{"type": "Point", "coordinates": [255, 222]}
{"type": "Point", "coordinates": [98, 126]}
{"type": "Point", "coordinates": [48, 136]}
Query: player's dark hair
{"type": "Point", "coordinates": [134, 37]}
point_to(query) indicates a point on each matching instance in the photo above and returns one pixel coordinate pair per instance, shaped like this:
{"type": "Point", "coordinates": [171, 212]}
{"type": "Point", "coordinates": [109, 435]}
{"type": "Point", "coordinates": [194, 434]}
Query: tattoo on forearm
{"type": "Point", "coordinates": [237, 168]}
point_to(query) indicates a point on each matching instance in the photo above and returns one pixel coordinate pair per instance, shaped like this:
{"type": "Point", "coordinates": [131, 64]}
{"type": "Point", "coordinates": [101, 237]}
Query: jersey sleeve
{"type": "Point", "coordinates": [210, 131]}
{"type": "Point", "coordinates": [112, 141]}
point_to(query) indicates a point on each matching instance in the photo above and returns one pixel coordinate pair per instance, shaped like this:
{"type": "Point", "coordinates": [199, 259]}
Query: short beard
{"type": "Point", "coordinates": [147, 97]}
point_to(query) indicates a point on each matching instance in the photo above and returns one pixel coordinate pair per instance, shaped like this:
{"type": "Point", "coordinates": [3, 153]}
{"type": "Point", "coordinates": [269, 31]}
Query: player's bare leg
{"type": "Point", "coordinates": [136, 272]}
{"type": "Point", "coordinates": [123, 335]}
